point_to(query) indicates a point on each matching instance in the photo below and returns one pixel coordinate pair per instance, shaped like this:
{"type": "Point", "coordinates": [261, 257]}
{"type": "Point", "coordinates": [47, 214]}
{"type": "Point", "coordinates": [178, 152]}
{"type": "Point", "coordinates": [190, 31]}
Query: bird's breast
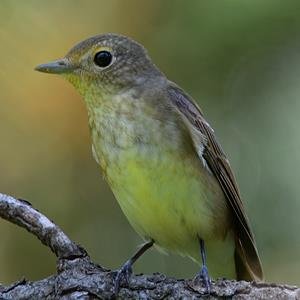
{"type": "Point", "coordinates": [157, 177]}
{"type": "Point", "coordinates": [122, 127]}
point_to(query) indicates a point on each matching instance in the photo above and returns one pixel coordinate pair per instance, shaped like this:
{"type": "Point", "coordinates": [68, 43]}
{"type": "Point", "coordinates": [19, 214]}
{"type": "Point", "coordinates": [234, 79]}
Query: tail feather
{"type": "Point", "coordinates": [247, 263]}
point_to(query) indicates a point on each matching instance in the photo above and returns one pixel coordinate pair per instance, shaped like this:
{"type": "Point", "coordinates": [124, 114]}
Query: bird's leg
{"type": "Point", "coordinates": [203, 274]}
{"type": "Point", "coordinates": [125, 271]}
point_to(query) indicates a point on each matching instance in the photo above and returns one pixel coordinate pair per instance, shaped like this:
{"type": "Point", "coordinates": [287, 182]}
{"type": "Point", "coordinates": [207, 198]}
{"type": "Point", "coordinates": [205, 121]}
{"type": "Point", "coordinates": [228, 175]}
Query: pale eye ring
{"type": "Point", "coordinates": [103, 58]}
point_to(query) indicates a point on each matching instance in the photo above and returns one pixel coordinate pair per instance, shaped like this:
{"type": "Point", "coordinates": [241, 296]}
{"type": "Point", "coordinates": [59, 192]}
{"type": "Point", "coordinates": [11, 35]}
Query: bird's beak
{"type": "Point", "coordinates": [60, 66]}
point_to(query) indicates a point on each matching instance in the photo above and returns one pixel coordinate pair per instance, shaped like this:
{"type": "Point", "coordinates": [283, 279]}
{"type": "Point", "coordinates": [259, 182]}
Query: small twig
{"type": "Point", "coordinates": [23, 214]}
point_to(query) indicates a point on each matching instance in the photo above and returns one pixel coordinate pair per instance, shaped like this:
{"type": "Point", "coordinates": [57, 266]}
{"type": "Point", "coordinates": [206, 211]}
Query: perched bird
{"type": "Point", "coordinates": [161, 159]}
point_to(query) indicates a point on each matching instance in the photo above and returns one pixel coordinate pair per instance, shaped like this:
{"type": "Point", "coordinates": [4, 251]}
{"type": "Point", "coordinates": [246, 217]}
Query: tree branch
{"type": "Point", "coordinates": [23, 214]}
{"type": "Point", "coordinates": [79, 278]}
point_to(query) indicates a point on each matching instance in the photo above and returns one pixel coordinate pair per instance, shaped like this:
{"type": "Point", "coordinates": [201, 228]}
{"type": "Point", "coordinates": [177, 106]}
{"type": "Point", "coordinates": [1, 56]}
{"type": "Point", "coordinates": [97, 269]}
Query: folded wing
{"type": "Point", "coordinates": [248, 265]}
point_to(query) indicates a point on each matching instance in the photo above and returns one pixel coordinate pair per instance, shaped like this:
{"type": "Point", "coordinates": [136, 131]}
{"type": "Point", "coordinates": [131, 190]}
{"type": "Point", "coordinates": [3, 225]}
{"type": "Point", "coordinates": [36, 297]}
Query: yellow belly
{"type": "Point", "coordinates": [174, 201]}
{"type": "Point", "coordinates": [160, 182]}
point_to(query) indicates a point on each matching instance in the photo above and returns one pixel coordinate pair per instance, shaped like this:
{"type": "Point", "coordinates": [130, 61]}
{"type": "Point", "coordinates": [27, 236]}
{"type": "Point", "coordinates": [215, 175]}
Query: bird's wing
{"type": "Point", "coordinates": [248, 265]}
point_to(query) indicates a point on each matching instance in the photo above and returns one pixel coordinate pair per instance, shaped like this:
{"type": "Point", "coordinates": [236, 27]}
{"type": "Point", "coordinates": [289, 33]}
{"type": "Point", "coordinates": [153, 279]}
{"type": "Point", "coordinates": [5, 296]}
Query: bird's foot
{"type": "Point", "coordinates": [123, 275]}
{"type": "Point", "coordinates": [203, 277]}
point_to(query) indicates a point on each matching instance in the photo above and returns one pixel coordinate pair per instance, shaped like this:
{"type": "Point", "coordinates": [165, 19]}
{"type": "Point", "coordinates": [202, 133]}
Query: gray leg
{"type": "Point", "coordinates": [203, 274]}
{"type": "Point", "coordinates": [125, 271]}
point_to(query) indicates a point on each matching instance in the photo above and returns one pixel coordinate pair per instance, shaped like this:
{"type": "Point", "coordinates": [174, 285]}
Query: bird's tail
{"type": "Point", "coordinates": [247, 263]}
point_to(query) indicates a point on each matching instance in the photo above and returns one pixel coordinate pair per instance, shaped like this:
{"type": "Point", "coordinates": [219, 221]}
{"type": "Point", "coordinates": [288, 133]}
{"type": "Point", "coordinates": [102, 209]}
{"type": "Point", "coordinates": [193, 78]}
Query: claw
{"type": "Point", "coordinates": [203, 277]}
{"type": "Point", "coordinates": [123, 275]}
{"type": "Point", "coordinates": [126, 270]}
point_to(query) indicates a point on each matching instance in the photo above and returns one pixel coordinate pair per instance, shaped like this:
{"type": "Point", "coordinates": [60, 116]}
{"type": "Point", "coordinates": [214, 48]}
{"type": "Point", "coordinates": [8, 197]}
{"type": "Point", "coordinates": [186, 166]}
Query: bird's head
{"type": "Point", "coordinates": [107, 62]}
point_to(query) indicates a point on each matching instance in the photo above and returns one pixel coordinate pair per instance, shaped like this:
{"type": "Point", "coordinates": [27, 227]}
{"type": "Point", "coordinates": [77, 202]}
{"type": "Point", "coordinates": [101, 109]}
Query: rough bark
{"type": "Point", "coordinates": [79, 278]}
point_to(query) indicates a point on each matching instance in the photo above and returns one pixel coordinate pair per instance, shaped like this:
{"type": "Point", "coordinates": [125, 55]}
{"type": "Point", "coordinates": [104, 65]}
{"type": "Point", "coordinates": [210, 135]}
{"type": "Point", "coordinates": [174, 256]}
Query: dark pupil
{"type": "Point", "coordinates": [103, 59]}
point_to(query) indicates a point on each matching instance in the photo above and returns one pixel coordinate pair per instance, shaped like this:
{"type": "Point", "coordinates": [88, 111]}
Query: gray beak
{"type": "Point", "coordinates": [60, 66]}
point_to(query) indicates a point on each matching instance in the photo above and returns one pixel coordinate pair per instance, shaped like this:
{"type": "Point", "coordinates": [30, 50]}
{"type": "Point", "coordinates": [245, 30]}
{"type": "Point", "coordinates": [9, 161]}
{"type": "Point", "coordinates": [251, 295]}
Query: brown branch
{"type": "Point", "coordinates": [79, 278]}
{"type": "Point", "coordinates": [23, 214]}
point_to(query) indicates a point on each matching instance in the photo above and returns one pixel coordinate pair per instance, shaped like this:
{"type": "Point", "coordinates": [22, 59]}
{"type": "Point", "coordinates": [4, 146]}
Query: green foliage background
{"type": "Point", "coordinates": [238, 59]}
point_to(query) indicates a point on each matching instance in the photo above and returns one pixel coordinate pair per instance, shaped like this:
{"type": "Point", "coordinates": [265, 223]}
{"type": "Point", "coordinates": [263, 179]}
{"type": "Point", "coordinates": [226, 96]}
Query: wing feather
{"type": "Point", "coordinates": [248, 264]}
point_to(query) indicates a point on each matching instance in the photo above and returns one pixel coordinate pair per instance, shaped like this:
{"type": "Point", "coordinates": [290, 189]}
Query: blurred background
{"type": "Point", "coordinates": [239, 59]}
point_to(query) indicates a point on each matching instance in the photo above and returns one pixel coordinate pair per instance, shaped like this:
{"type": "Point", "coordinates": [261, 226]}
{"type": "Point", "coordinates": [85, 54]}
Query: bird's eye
{"type": "Point", "coordinates": [103, 59]}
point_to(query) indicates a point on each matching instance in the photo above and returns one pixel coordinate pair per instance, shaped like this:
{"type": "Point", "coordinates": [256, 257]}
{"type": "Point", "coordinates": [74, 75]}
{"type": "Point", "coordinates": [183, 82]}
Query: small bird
{"type": "Point", "coordinates": [161, 159]}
